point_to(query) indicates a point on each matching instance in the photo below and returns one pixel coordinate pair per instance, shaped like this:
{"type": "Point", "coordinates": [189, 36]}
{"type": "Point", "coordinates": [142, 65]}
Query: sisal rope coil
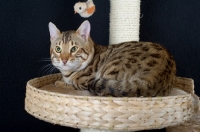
{"type": "Point", "coordinates": [124, 21]}
{"type": "Point", "coordinates": [109, 113]}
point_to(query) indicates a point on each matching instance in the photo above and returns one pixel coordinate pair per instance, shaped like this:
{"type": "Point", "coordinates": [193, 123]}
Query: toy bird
{"type": "Point", "coordinates": [84, 9]}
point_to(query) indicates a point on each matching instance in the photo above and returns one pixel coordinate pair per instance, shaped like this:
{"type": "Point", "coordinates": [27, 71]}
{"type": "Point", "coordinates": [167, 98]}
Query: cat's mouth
{"type": "Point", "coordinates": [64, 67]}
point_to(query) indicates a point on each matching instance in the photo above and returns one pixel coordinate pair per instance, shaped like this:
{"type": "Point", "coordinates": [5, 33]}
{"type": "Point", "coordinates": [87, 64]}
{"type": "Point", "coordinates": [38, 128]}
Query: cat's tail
{"type": "Point", "coordinates": [108, 87]}
{"type": "Point", "coordinates": [185, 84]}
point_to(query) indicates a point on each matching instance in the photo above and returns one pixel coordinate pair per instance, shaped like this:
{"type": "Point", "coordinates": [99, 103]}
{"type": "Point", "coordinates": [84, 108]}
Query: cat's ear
{"type": "Point", "coordinates": [54, 31]}
{"type": "Point", "coordinates": [84, 30]}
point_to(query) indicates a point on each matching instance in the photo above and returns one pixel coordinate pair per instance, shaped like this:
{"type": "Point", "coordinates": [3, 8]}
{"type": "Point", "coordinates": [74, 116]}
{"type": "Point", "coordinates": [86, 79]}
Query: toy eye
{"type": "Point", "coordinates": [58, 49]}
{"type": "Point", "coordinates": [79, 8]}
{"type": "Point", "coordinates": [73, 49]}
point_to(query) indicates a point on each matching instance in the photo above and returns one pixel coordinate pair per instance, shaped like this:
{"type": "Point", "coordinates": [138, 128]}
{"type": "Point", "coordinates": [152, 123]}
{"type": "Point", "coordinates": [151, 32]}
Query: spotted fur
{"type": "Point", "coordinates": [131, 69]}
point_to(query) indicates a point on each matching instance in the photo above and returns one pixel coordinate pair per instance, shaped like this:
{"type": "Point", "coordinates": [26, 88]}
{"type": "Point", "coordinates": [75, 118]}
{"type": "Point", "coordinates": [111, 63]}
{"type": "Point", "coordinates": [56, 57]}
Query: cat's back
{"type": "Point", "coordinates": [138, 48]}
{"type": "Point", "coordinates": [138, 57]}
{"type": "Point", "coordinates": [147, 53]}
{"type": "Point", "coordinates": [136, 69]}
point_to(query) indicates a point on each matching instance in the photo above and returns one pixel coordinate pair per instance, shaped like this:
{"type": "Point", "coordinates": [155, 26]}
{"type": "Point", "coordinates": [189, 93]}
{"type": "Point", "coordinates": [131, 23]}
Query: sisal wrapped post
{"type": "Point", "coordinates": [124, 21]}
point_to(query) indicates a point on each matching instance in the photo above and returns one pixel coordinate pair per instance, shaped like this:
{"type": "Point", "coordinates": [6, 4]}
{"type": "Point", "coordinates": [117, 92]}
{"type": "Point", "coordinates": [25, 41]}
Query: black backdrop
{"type": "Point", "coordinates": [24, 40]}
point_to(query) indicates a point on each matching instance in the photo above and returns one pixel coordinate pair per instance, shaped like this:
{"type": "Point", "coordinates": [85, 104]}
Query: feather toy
{"type": "Point", "coordinates": [85, 9]}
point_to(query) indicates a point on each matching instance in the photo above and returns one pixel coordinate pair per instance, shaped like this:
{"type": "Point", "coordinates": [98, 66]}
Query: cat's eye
{"type": "Point", "coordinates": [73, 49]}
{"type": "Point", "coordinates": [58, 49]}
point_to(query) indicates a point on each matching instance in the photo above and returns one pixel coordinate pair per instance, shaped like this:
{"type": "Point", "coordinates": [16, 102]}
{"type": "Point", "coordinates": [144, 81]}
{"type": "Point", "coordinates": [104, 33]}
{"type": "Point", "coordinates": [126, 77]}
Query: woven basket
{"type": "Point", "coordinates": [111, 113]}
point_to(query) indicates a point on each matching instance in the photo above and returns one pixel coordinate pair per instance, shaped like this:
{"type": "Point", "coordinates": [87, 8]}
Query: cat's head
{"type": "Point", "coordinates": [71, 50]}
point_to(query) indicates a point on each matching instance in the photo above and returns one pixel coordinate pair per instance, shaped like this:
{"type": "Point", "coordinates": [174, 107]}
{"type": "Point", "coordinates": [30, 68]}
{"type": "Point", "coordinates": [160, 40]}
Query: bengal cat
{"type": "Point", "coordinates": [130, 69]}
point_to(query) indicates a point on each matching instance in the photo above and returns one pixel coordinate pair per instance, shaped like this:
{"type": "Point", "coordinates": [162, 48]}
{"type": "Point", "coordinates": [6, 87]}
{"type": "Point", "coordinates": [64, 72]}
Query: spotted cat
{"type": "Point", "coordinates": [130, 69]}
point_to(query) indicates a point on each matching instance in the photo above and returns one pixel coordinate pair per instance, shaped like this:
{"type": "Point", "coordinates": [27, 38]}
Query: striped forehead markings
{"type": "Point", "coordinates": [72, 43]}
{"type": "Point", "coordinates": [67, 36]}
{"type": "Point", "coordinates": [58, 43]}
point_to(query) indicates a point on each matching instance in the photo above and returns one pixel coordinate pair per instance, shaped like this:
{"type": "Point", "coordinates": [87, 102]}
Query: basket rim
{"type": "Point", "coordinates": [86, 97]}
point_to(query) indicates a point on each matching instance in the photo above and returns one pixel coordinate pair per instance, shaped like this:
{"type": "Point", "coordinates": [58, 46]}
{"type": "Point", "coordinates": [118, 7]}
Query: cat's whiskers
{"type": "Point", "coordinates": [47, 69]}
{"type": "Point", "coordinates": [45, 59]}
{"type": "Point", "coordinates": [42, 69]}
{"type": "Point", "coordinates": [52, 70]}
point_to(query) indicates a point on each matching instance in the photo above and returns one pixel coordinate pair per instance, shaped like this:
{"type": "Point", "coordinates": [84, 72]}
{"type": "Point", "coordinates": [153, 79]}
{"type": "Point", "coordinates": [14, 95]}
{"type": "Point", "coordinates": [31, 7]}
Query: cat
{"type": "Point", "coordinates": [128, 69]}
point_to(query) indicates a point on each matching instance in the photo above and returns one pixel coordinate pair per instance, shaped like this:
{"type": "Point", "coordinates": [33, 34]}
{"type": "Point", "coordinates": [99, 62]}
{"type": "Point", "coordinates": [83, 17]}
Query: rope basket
{"type": "Point", "coordinates": [109, 113]}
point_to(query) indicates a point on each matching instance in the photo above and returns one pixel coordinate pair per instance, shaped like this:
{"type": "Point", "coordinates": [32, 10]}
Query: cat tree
{"type": "Point", "coordinates": [110, 114]}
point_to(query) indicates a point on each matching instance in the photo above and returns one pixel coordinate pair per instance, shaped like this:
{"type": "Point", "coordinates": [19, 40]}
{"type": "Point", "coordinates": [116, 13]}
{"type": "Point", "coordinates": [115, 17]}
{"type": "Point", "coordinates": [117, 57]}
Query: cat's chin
{"type": "Point", "coordinates": [65, 68]}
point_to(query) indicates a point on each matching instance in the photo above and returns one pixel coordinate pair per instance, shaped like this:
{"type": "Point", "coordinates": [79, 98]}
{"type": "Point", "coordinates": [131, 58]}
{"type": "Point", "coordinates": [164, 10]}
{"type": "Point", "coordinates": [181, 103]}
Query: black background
{"type": "Point", "coordinates": [24, 41]}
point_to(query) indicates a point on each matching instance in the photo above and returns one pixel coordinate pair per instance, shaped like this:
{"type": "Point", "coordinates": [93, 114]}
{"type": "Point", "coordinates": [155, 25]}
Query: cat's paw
{"type": "Point", "coordinates": [62, 84]}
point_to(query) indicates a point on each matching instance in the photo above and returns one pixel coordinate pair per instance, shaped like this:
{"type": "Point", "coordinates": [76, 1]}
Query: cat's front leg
{"type": "Point", "coordinates": [62, 84]}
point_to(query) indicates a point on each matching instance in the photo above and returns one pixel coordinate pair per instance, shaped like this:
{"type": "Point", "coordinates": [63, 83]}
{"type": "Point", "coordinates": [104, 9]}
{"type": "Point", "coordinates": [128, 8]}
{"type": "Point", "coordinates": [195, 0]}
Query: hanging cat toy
{"type": "Point", "coordinates": [84, 9]}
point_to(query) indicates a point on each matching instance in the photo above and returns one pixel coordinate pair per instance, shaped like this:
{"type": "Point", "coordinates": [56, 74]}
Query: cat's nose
{"type": "Point", "coordinates": [64, 61]}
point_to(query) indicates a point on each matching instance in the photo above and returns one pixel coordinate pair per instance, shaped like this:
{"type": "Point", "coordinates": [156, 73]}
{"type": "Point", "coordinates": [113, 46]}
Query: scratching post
{"type": "Point", "coordinates": [124, 20]}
